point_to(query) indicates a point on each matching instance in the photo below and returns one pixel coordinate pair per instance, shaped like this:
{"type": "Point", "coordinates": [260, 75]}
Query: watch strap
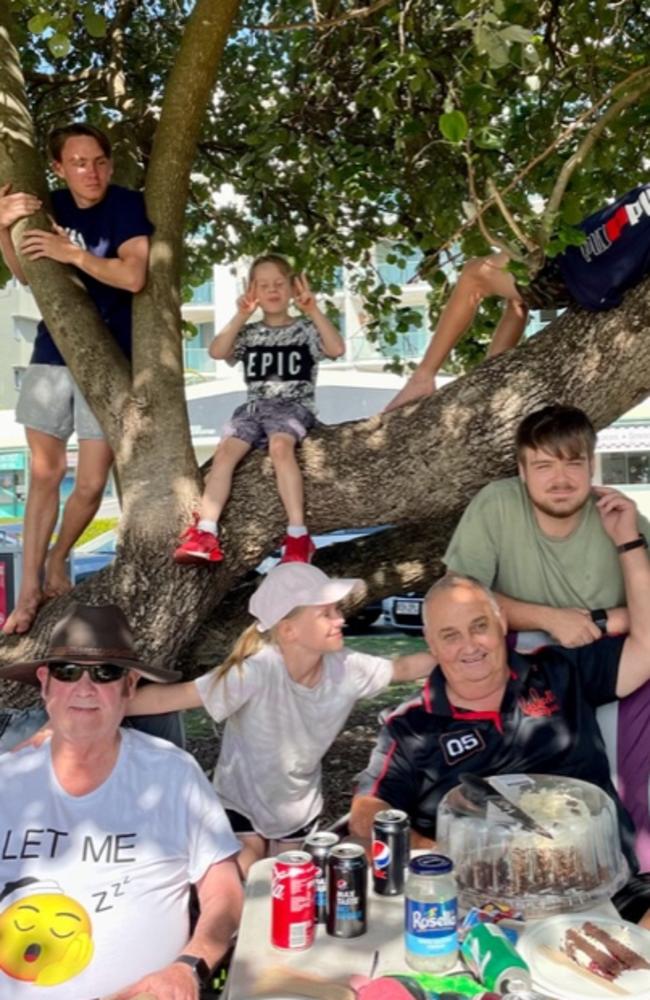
{"type": "Point", "coordinates": [637, 543]}
{"type": "Point", "coordinates": [599, 618]}
{"type": "Point", "coordinates": [198, 966]}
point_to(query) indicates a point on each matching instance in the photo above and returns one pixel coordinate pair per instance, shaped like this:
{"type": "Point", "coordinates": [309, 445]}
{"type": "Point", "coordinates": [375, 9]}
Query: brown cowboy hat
{"type": "Point", "coordinates": [89, 634]}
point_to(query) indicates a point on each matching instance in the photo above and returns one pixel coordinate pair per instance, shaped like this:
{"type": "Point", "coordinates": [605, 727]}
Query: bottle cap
{"type": "Point", "coordinates": [431, 864]}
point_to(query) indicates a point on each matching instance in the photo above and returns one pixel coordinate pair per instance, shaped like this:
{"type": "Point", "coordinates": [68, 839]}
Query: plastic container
{"type": "Point", "coordinates": [497, 859]}
{"type": "Point", "coordinates": [431, 914]}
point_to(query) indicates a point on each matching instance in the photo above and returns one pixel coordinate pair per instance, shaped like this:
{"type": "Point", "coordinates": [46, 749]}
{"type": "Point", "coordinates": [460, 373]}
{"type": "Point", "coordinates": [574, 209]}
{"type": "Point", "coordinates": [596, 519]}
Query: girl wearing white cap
{"type": "Point", "coordinates": [292, 688]}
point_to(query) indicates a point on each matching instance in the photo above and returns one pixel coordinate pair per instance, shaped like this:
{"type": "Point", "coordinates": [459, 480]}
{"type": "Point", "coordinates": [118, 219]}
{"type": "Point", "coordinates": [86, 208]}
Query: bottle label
{"type": "Point", "coordinates": [431, 927]}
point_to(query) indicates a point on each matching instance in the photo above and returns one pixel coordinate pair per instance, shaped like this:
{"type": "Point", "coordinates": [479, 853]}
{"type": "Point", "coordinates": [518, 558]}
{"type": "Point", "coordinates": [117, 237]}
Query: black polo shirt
{"type": "Point", "coordinates": [546, 725]}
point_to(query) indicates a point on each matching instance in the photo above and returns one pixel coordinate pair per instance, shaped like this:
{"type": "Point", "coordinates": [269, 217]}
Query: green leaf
{"type": "Point", "coordinates": [94, 23]}
{"type": "Point", "coordinates": [39, 23]}
{"type": "Point", "coordinates": [59, 45]}
{"type": "Point", "coordinates": [515, 33]}
{"type": "Point", "coordinates": [453, 126]}
{"type": "Point", "coordinates": [488, 138]}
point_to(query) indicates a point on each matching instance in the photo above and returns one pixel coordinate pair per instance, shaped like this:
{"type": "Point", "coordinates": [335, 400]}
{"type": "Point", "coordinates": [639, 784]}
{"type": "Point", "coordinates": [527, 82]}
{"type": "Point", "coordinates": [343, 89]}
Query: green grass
{"type": "Point", "coordinates": [97, 527]}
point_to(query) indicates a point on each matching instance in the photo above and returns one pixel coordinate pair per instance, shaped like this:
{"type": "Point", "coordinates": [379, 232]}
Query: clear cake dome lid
{"type": "Point", "coordinates": [540, 843]}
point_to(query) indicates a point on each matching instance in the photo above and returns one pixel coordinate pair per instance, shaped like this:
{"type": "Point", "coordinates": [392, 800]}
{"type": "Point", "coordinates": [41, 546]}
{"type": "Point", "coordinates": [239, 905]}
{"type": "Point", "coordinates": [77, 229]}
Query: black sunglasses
{"type": "Point", "coordinates": [100, 673]}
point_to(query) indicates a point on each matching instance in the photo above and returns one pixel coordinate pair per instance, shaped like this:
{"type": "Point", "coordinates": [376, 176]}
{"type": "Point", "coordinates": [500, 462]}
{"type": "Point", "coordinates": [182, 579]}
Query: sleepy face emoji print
{"type": "Point", "coordinates": [45, 936]}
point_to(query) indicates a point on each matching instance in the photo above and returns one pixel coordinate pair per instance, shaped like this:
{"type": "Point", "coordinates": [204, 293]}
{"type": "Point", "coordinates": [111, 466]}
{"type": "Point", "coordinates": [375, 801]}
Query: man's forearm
{"type": "Point", "coordinates": [221, 900]}
{"type": "Point", "coordinates": [128, 275]}
{"type": "Point", "coordinates": [524, 616]}
{"type": "Point", "coordinates": [636, 575]}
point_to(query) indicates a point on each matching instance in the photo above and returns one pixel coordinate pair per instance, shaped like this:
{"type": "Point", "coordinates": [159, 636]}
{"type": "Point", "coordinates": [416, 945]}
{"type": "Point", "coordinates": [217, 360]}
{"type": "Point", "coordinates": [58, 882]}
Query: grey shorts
{"type": "Point", "coordinates": [50, 401]}
{"type": "Point", "coordinates": [254, 423]}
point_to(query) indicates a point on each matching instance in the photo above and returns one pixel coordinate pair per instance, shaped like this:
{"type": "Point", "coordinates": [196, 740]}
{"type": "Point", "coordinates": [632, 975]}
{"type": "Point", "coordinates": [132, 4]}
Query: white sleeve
{"type": "Point", "coordinates": [223, 697]}
{"type": "Point", "coordinates": [209, 835]}
{"type": "Point", "coordinates": [369, 674]}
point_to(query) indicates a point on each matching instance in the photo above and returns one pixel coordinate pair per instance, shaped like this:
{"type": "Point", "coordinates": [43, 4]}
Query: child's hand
{"type": "Point", "coordinates": [303, 295]}
{"type": "Point", "coordinates": [248, 302]}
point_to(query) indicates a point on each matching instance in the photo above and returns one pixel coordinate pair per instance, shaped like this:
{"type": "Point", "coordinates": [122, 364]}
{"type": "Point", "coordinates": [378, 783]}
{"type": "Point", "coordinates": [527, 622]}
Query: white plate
{"type": "Point", "coordinates": [560, 980]}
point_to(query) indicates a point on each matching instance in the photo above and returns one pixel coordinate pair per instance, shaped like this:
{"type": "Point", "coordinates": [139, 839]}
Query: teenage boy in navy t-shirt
{"type": "Point", "coordinates": [614, 257]}
{"type": "Point", "coordinates": [101, 230]}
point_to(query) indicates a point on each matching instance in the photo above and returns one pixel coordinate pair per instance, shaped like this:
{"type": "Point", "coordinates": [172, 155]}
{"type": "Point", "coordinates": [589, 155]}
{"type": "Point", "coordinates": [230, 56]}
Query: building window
{"type": "Point", "coordinates": [625, 467]}
{"type": "Point", "coordinates": [195, 351]}
{"type": "Point", "coordinates": [396, 268]}
{"type": "Point", "coordinates": [411, 344]}
{"type": "Point", "coordinates": [203, 295]}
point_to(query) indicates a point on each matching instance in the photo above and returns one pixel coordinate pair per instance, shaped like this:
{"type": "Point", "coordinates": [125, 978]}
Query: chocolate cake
{"type": "Point", "coordinates": [498, 857]}
{"type": "Point", "coordinates": [595, 949]}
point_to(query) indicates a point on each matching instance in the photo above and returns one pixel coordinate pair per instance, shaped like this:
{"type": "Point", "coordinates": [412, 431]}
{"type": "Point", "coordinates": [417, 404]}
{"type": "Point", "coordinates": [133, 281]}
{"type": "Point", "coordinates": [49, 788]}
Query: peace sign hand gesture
{"type": "Point", "coordinates": [303, 295]}
{"type": "Point", "coordinates": [248, 302]}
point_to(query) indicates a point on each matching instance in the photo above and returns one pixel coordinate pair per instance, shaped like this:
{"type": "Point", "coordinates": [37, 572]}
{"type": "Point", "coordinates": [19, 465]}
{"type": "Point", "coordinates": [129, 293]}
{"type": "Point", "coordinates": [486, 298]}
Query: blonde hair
{"type": "Point", "coordinates": [250, 642]}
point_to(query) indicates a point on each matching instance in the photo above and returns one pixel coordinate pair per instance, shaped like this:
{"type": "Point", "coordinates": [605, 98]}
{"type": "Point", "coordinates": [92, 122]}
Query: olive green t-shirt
{"type": "Point", "coordinates": [499, 542]}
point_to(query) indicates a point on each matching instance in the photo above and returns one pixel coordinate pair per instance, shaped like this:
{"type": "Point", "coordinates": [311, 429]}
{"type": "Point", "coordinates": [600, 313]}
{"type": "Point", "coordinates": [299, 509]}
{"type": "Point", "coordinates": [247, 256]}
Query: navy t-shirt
{"type": "Point", "coordinates": [100, 229]}
{"type": "Point", "coordinates": [615, 255]}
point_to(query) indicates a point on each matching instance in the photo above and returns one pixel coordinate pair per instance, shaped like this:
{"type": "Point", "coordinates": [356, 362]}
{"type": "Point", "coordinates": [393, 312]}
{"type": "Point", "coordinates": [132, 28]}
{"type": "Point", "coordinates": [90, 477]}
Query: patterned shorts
{"type": "Point", "coordinates": [547, 290]}
{"type": "Point", "coordinates": [254, 423]}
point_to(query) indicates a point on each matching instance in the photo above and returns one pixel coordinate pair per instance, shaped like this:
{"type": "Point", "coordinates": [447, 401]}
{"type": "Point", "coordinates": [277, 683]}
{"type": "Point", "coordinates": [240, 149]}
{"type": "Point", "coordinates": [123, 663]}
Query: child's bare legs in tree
{"type": "Point", "coordinates": [479, 279]}
{"type": "Point", "coordinates": [230, 452]}
{"type": "Point", "coordinates": [297, 545]}
{"type": "Point", "coordinates": [282, 452]}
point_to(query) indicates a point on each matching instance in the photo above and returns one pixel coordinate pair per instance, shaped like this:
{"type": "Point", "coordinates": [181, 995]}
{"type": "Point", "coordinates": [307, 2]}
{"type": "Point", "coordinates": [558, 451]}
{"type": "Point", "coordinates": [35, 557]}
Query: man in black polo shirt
{"type": "Point", "coordinates": [489, 710]}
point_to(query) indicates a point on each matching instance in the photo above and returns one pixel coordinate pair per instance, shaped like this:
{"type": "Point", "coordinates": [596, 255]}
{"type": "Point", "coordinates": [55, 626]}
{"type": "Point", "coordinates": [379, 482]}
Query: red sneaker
{"type": "Point", "coordinates": [297, 549]}
{"type": "Point", "coordinates": [198, 547]}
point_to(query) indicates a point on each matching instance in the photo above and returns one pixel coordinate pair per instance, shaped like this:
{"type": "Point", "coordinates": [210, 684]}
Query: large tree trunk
{"type": "Point", "coordinates": [415, 469]}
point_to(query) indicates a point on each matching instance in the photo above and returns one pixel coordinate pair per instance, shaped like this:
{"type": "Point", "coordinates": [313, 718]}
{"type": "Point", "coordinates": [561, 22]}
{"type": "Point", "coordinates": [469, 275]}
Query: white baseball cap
{"type": "Point", "coordinates": [295, 585]}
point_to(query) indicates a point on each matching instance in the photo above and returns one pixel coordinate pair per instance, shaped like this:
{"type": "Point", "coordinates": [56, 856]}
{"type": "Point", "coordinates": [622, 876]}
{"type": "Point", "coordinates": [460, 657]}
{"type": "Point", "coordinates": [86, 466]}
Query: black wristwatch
{"type": "Point", "coordinates": [198, 966]}
{"type": "Point", "coordinates": [640, 542]}
{"type": "Point", "coordinates": [599, 618]}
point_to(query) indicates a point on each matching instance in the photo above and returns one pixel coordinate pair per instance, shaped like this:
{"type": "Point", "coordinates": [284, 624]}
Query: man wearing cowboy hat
{"type": "Point", "coordinates": [103, 831]}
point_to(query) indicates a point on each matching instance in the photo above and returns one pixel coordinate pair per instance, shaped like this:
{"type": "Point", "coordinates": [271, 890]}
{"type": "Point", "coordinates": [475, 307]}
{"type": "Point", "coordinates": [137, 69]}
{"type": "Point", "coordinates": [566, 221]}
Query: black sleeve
{"type": "Point", "coordinates": [390, 775]}
{"type": "Point", "coordinates": [597, 664]}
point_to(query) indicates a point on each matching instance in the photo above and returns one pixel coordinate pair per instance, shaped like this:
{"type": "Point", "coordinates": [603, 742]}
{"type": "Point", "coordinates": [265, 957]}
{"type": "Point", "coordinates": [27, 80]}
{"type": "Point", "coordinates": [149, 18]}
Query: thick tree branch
{"type": "Point", "coordinates": [410, 468]}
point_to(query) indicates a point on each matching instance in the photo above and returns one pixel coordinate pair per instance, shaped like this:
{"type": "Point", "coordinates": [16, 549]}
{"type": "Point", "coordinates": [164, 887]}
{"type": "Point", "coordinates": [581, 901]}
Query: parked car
{"type": "Point", "coordinates": [404, 611]}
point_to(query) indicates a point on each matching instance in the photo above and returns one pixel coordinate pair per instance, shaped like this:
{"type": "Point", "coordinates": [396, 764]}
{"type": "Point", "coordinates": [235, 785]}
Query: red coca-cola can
{"type": "Point", "coordinates": [293, 891]}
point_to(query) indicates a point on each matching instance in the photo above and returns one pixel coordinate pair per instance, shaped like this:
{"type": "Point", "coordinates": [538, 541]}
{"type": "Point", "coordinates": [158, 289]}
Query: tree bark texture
{"type": "Point", "coordinates": [415, 469]}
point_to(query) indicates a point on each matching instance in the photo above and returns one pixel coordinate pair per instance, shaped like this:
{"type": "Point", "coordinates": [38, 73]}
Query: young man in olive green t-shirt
{"type": "Point", "coordinates": [537, 539]}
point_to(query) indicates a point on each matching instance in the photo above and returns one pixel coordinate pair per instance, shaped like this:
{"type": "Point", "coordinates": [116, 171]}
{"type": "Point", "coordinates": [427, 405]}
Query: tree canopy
{"type": "Point", "coordinates": [337, 125]}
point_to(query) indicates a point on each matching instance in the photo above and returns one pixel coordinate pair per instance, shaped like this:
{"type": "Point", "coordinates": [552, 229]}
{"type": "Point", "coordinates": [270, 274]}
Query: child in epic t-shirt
{"type": "Point", "coordinates": [280, 354]}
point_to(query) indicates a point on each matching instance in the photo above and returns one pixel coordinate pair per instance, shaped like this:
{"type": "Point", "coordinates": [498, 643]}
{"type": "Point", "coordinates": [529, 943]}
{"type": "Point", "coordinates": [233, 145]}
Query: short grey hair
{"type": "Point", "coordinates": [451, 580]}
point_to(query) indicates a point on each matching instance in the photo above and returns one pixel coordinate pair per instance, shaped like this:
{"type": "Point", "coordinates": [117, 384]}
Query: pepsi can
{"type": "Point", "coordinates": [319, 846]}
{"type": "Point", "coordinates": [390, 851]}
{"type": "Point", "coordinates": [347, 890]}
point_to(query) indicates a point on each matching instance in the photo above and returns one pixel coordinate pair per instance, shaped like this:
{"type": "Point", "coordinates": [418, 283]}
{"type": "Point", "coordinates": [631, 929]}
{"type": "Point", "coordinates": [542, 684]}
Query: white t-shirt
{"type": "Point", "coordinates": [277, 732]}
{"type": "Point", "coordinates": [111, 870]}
